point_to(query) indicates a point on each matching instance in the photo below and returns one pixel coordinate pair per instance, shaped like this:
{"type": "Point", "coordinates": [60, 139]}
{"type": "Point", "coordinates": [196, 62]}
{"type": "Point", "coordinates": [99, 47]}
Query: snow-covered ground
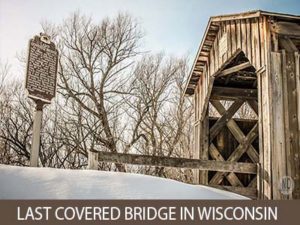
{"type": "Point", "coordinates": [48, 183]}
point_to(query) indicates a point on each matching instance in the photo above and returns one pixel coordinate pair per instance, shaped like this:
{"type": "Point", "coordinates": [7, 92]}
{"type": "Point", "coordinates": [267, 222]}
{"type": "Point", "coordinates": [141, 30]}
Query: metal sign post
{"type": "Point", "coordinates": [36, 136]}
{"type": "Point", "coordinates": [40, 83]}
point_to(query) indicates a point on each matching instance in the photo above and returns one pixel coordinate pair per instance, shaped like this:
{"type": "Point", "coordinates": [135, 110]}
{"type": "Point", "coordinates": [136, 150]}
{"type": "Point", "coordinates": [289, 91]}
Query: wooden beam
{"type": "Point", "coordinates": [221, 122]}
{"type": "Point", "coordinates": [199, 68]}
{"type": "Point", "coordinates": [244, 146]}
{"type": "Point", "coordinates": [254, 105]}
{"type": "Point", "coordinates": [136, 159]}
{"type": "Point", "coordinates": [236, 119]}
{"type": "Point", "coordinates": [228, 93]}
{"type": "Point", "coordinates": [237, 153]}
{"type": "Point", "coordinates": [245, 141]}
{"type": "Point", "coordinates": [203, 58]}
{"type": "Point", "coordinates": [231, 177]}
{"type": "Point", "coordinates": [253, 182]}
{"type": "Point", "coordinates": [197, 74]}
{"type": "Point", "coordinates": [287, 44]}
{"type": "Point", "coordinates": [237, 16]}
{"type": "Point", "coordinates": [237, 132]}
{"type": "Point", "coordinates": [234, 69]}
{"type": "Point", "coordinates": [286, 28]}
{"type": "Point", "coordinates": [245, 78]}
{"type": "Point", "coordinates": [245, 191]}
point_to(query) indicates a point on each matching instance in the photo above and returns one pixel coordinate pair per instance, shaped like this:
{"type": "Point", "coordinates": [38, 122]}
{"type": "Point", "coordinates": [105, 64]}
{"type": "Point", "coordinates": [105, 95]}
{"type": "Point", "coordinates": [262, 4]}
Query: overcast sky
{"type": "Point", "coordinates": [173, 26]}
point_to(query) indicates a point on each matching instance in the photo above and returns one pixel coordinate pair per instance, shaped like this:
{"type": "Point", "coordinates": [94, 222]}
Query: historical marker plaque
{"type": "Point", "coordinates": [41, 69]}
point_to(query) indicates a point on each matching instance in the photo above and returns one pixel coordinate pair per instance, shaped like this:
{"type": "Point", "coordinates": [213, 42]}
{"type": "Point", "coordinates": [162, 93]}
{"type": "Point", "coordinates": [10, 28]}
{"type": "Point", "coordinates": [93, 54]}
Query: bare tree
{"type": "Point", "coordinates": [16, 121]}
{"type": "Point", "coordinates": [94, 59]}
{"type": "Point", "coordinates": [15, 124]}
{"type": "Point", "coordinates": [111, 97]}
{"type": "Point", "coordinates": [161, 111]}
{"type": "Point", "coordinates": [4, 72]}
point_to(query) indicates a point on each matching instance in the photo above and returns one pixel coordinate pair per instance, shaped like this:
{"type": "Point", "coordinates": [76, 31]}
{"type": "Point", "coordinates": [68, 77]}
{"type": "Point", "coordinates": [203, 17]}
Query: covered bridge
{"type": "Point", "coordinates": [249, 61]}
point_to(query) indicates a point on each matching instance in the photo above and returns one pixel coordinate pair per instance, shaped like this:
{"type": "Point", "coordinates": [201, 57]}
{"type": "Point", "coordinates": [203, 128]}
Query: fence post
{"type": "Point", "coordinates": [92, 160]}
{"type": "Point", "coordinates": [259, 181]}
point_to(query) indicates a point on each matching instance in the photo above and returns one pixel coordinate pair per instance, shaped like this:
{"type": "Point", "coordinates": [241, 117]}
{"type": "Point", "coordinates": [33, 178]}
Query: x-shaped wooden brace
{"type": "Point", "coordinates": [245, 141]}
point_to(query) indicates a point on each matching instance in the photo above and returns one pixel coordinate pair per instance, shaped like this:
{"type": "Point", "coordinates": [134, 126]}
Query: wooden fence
{"type": "Point", "coordinates": [202, 165]}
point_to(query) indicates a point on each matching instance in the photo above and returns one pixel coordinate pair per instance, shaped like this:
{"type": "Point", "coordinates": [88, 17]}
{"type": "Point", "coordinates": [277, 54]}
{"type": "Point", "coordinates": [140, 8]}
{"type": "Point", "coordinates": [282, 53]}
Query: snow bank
{"type": "Point", "coordinates": [48, 183]}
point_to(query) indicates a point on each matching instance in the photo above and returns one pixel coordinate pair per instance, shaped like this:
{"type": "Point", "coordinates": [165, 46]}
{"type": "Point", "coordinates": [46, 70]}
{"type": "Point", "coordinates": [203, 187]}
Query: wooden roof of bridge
{"type": "Point", "coordinates": [210, 35]}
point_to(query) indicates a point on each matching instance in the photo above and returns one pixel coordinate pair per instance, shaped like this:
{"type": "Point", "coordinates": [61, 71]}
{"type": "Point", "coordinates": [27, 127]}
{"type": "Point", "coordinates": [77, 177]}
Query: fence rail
{"type": "Point", "coordinates": [136, 159]}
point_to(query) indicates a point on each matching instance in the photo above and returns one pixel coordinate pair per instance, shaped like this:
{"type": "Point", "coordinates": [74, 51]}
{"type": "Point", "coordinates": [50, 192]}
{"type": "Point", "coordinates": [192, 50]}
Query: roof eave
{"type": "Point", "coordinates": [197, 56]}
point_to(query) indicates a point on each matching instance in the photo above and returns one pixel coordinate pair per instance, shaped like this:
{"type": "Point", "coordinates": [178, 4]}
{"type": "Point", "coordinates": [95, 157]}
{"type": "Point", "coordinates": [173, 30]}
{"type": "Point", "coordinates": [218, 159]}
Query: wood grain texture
{"type": "Point", "coordinates": [136, 159]}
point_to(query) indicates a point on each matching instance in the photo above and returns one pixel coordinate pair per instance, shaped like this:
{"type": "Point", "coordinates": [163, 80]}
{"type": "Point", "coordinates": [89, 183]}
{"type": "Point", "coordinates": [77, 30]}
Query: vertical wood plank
{"type": "Point", "coordinates": [266, 113]}
{"type": "Point", "coordinates": [196, 102]}
{"type": "Point", "coordinates": [203, 175]}
{"type": "Point", "coordinates": [200, 95]}
{"type": "Point", "coordinates": [204, 89]}
{"type": "Point", "coordinates": [196, 151]}
{"type": "Point", "coordinates": [195, 130]}
{"type": "Point", "coordinates": [205, 92]}
{"type": "Point", "coordinates": [244, 37]}
{"type": "Point", "coordinates": [249, 42]}
{"type": "Point", "coordinates": [262, 41]}
{"type": "Point", "coordinates": [296, 194]}
{"type": "Point", "coordinates": [279, 145]}
{"type": "Point", "coordinates": [198, 91]}
{"type": "Point", "coordinates": [297, 62]}
{"type": "Point", "coordinates": [216, 51]}
{"type": "Point", "coordinates": [286, 119]}
{"type": "Point", "coordinates": [218, 46]}
{"type": "Point", "coordinates": [229, 50]}
{"type": "Point", "coordinates": [260, 135]}
{"type": "Point", "coordinates": [257, 44]}
{"type": "Point", "coordinates": [253, 42]}
{"type": "Point", "coordinates": [258, 178]}
{"type": "Point", "coordinates": [207, 96]}
{"type": "Point", "coordinates": [211, 61]}
{"type": "Point", "coordinates": [224, 30]}
{"type": "Point", "coordinates": [233, 36]}
{"type": "Point", "coordinates": [238, 34]}
{"type": "Point", "coordinates": [292, 134]}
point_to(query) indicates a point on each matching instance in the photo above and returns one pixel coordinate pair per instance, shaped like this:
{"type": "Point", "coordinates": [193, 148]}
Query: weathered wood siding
{"type": "Point", "coordinates": [285, 145]}
{"type": "Point", "coordinates": [249, 35]}
{"type": "Point", "coordinates": [266, 43]}
{"type": "Point", "coordinates": [265, 114]}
